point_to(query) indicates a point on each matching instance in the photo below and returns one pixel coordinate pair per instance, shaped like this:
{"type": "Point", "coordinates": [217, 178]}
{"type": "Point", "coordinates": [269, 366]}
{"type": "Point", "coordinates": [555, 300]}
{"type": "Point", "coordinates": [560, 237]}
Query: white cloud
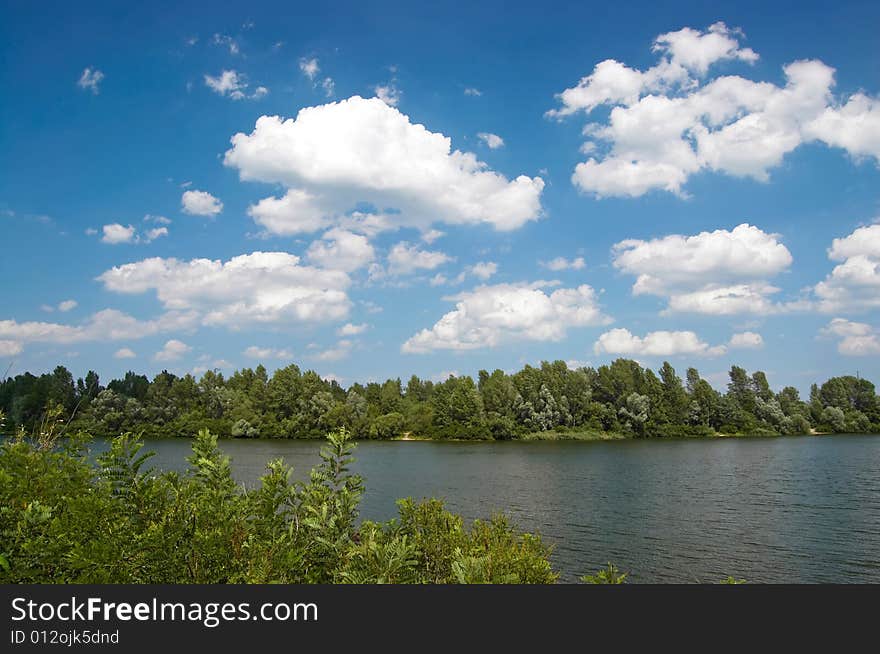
{"type": "Point", "coordinates": [341, 351]}
{"type": "Point", "coordinates": [161, 220]}
{"type": "Point", "coordinates": [200, 203]}
{"type": "Point", "coordinates": [856, 338]}
{"type": "Point", "coordinates": [67, 305]}
{"type": "Point", "coordinates": [431, 235]}
{"type": "Point", "coordinates": [108, 324]}
{"type": "Point", "coordinates": [388, 93]}
{"type": "Point", "coordinates": [747, 341]}
{"type": "Point", "coordinates": [90, 79]}
{"type": "Point", "coordinates": [116, 233]}
{"type": "Point", "coordinates": [854, 126]}
{"type": "Point", "coordinates": [669, 122]}
{"type": "Point", "coordinates": [172, 351]}
{"type": "Point", "coordinates": [152, 234]}
{"type": "Point", "coordinates": [490, 316]}
{"type": "Point", "coordinates": [721, 272]}
{"type": "Point", "coordinates": [359, 151]}
{"type": "Point", "coordinates": [339, 249]}
{"type": "Point", "coordinates": [561, 263]}
{"type": "Point", "coordinates": [228, 82]}
{"type": "Point", "coordinates": [295, 212]}
{"type": "Point", "coordinates": [10, 348]}
{"type": "Point", "coordinates": [256, 288]}
{"type": "Point", "coordinates": [492, 141]}
{"type": "Point", "coordinates": [309, 67]}
{"type": "Point", "coordinates": [473, 91]}
{"type": "Point", "coordinates": [405, 259]}
{"type": "Point", "coordinates": [854, 284]}
{"type": "Point", "coordinates": [264, 353]}
{"type": "Point", "coordinates": [696, 51]}
{"type": "Point", "coordinates": [124, 353]}
{"type": "Point", "coordinates": [350, 329]}
{"type": "Point", "coordinates": [227, 42]}
{"type": "Point", "coordinates": [483, 269]}
{"type": "Point", "coordinates": [659, 343]}
{"type": "Point", "coordinates": [232, 84]}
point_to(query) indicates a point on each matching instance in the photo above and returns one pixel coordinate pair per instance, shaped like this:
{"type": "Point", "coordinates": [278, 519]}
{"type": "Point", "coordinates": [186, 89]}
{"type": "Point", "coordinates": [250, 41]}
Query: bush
{"type": "Point", "coordinates": [67, 519]}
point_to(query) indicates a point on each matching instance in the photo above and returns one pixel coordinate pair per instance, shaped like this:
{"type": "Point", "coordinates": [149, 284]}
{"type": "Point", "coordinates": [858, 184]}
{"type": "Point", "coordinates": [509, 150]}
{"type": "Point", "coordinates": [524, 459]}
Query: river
{"type": "Point", "coordinates": [775, 510]}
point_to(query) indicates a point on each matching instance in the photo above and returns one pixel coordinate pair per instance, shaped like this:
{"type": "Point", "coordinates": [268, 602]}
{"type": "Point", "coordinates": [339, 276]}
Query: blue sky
{"type": "Point", "coordinates": [378, 234]}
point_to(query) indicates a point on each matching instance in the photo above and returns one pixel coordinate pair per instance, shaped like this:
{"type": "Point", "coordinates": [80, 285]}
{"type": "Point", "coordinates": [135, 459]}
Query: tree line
{"type": "Point", "coordinates": [548, 401]}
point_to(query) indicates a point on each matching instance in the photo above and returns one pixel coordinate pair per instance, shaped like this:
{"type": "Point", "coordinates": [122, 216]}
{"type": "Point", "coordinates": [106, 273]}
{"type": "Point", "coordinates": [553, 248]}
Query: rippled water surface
{"type": "Point", "coordinates": [801, 509]}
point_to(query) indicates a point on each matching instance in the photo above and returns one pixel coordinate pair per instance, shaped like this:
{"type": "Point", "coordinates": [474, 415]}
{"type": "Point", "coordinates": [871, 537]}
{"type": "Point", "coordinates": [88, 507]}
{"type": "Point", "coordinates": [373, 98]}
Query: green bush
{"type": "Point", "coordinates": [65, 518]}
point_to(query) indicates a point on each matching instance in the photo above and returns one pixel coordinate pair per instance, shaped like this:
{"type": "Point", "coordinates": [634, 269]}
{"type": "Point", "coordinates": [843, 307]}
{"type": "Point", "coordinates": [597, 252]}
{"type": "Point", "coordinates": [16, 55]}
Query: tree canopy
{"type": "Point", "coordinates": [621, 398]}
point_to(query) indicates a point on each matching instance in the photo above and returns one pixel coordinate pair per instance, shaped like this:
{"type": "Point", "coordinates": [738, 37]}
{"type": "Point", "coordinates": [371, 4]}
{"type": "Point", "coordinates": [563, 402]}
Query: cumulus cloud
{"type": "Point", "coordinates": [854, 284]}
{"type": "Point", "coordinates": [295, 212]}
{"type": "Point", "coordinates": [152, 234]}
{"type": "Point", "coordinates": [492, 141]}
{"type": "Point", "coordinates": [67, 305]}
{"type": "Point", "coordinates": [405, 259]}
{"type": "Point", "coordinates": [337, 157]}
{"type": "Point", "coordinates": [855, 338]}
{"type": "Point", "coordinates": [234, 85]}
{"type": "Point", "coordinates": [340, 351]}
{"type": "Point", "coordinates": [431, 235]}
{"type": "Point", "coordinates": [561, 263]}
{"type": "Point", "coordinates": [91, 79]}
{"type": "Point", "coordinates": [115, 234]}
{"type": "Point", "coordinates": [108, 324]}
{"type": "Point", "coordinates": [350, 329]}
{"type": "Point", "coordinates": [10, 348]}
{"type": "Point", "coordinates": [264, 353]}
{"type": "Point", "coordinates": [722, 272]}
{"type": "Point", "coordinates": [124, 353]}
{"type": "Point", "coordinates": [482, 270]}
{"type": "Point", "coordinates": [256, 288]}
{"type": "Point", "coordinates": [746, 341]}
{"type": "Point", "coordinates": [200, 203]}
{"type": "Point", "coordinates": [473, 91]}
{"type": "Point", "coordinates": [659, 344]}
{"type": "Point", "coordinates": [172, 351]}
{"type": "Point", "coordinates": [671, 121]}
{"type": "Point", "coordinates": [339, 249]}
{"type": "Point", "coordinates": [490, 316]}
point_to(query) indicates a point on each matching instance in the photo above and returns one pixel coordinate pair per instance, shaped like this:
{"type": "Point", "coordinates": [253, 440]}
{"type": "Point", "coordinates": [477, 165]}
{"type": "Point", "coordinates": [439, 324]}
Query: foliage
{"type": "Point", "coordinates": [609, 575]}
{"type": "Point", "coordinates": [621, 398]}
{"type": "Point", "coordinates": [733, 581]}
{"type": "Point", "coordinates": [69, 518]}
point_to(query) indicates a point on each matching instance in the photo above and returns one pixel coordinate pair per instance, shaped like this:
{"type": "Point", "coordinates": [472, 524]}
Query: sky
{"type": "Point", "coordinates": [372, 190]}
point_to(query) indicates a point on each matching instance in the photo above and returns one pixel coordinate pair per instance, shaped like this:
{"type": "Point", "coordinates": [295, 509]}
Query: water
{"type": "Point", "coordinates": [781, 510]}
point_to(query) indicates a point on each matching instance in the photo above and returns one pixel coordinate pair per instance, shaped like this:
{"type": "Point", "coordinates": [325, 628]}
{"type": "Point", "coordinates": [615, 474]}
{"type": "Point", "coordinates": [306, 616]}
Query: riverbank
{"type": "Point", "coordinates": [594, 435]}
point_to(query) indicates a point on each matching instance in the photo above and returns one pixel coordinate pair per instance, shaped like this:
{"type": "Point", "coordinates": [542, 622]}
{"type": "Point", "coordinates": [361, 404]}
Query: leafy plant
{"type": "Point", "coordinates": [609, 575]}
